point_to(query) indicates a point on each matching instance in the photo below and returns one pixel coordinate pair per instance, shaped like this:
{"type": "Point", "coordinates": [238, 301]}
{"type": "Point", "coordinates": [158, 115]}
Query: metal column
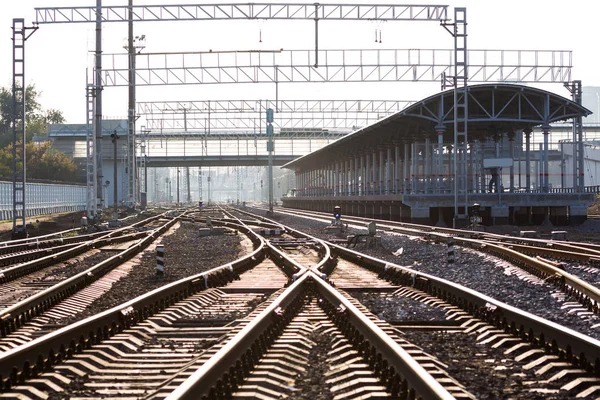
{"type": "Point", "coordinates": [427, 164]}
{"type": "Point", "coordinates": [381, 172]}
{"type": "Point", "coordinates": [440, 129]}
{"type": "Point", "coordinates": [18, 128]}
{"type": "Point", "coordinates": [90, 147]}
{"type": "Point", "coordinates": [131, 153]}
{"type": "Point", "coordinates": [362, 186]}
{"type": "Point", "coordinates": [270, 148]}
{"type": "Point", "coordinates": [367, 175]}
{"type": "Point", "coordinates": [388, 166]}
{"type": "Point", "coordinates": [511, 146]}
{"type": "Point", "coordinates": [374, 172]}
{"type": "Point", "coordinates": [406, 169]}
{"type": "Point", "coordinates": [19, 168]}
{"type": "Point", "coordinates": [578, 149]}
{"type": "Point", "coordinates": [414, 168]}
{"type": "Point", "coordinates": [546, 164]}
{"type": "Point", "coordinates": [98, 107]}
{"type": "Point", "coordinates": [397, 166]}
{"type": "Point", "coordinates": [356, 174]}
{"type": "Point", "coordinates": [527, 133]}
{"type": "Point", "coordinates": [461, 112]}
{"type": "Point", "coordinates": [199, 183]}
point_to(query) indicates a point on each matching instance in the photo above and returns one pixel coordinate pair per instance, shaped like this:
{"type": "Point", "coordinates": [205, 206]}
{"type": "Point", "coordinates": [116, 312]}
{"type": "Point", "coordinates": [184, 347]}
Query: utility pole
{"type": "Point", "coordinates": [134, 46]}
{"type": "Point", "coordinates": [270, 148]}
{"type": "Point", "coordinates": [208, 180]}
{"type": "Point", "coordinates": [178, 172]}
{"type": "Point", "coordinates": [199, 183]}
{"type": "Point", "coordinates": [98, 107]}
{"type": "Point", "coordinates": [114, 137]}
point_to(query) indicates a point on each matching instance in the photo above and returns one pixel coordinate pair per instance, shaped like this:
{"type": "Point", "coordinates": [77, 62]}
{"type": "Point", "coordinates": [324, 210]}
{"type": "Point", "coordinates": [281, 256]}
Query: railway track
{"type": "Point", "coordinates": [539, 257]}
{"type": "Point", "coordinates": [299, 318]}
{"type": "Point", "coordinates": [38, 309]}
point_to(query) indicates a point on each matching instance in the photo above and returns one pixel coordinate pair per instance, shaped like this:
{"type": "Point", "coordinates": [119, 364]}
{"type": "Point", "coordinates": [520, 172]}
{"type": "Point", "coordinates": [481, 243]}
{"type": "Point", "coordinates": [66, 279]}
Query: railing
{"type": "Point", "coordinates": [374, 190]}
{"type": "Point", "coordinates": [44, 198]}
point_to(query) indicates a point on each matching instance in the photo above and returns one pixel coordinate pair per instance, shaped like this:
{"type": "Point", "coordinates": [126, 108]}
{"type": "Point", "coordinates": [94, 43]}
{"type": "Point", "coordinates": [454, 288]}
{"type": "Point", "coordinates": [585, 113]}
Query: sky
{"type": "Point", "coordinates": [57, 55]}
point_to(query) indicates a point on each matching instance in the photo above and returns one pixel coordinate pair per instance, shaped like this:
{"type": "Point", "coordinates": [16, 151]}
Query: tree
{"type": "Point", "coordinates": [36, 118]}
{"type": "Point", "coordinates": [43, 162]}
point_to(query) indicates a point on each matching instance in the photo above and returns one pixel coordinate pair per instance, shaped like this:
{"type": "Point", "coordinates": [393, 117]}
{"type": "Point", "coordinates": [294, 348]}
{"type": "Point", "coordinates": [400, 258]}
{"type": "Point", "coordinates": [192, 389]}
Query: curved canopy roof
{"type": "Point", "coordinates": [492, 109]}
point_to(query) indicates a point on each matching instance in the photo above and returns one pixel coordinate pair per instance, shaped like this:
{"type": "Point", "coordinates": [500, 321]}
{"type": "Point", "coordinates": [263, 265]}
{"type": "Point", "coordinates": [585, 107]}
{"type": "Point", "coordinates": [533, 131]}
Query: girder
{"type": "Point", "coordinates": [211, 12]}
{"type": "Point", "coordinates": [282, 106]}
{"type": "Point", "coordinates": [287, 121]}
{"type": "Point", "coordinates": [360, 65]}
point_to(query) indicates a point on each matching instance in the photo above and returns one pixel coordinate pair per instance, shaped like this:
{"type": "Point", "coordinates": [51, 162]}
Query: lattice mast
{"type": "Point", "coordinates": [458, 29]}
{"type": "Point", "coordinates": [90, 148]}
{"type": "Point", "coordinates": [131, 153]}
{"type": "Point", "coordinates": [98, 106]}
{"type": "Point", "coordinates": [20, 35]}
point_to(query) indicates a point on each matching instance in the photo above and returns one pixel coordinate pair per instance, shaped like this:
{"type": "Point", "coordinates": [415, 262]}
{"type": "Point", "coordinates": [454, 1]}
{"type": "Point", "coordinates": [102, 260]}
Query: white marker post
{"type": "Point", "coordinates": [160, 259]}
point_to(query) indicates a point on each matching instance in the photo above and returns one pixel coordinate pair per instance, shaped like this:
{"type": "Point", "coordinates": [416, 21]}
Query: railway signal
{"type": "Point", "coordinates": [337, 212]}
{"type": "Point", "coordinates": [475, 218]}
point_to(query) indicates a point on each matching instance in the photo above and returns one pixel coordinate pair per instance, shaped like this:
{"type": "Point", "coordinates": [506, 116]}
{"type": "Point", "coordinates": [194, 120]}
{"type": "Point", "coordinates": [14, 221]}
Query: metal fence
{"type": "Point", "coordinates": [43, 198]}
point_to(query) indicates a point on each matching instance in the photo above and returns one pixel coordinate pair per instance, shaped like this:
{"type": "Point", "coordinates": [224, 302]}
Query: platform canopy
{"type": "Point", "coordinates": [492, 109]}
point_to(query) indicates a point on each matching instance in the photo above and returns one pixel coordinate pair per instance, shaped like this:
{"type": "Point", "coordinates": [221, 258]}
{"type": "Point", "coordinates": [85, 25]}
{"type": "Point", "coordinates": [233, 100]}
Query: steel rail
{"type": "Point", "coordinates": [17, 271]}
{"type": "Point", "coordinates": [588, 294]}
{"type": "Point", "coordinates": [551, 251]}
{"type": "Point", "coordinates": [327, 258]}
{"type": "Point", "coordinates": [416, 229]}
{"type": "Point", "coordinates": [206, 377]}
{"type": "Point", "coordinates": [581, 287]}
{"type": "Point", "coordinates": [37, 240]}
{"type": "Point", "coordinates": [23, 362]}
{"type": "Point", "coordinates": [575, 346]}
{"type": "Point", "coordinates": [12, 317]}
{"type": "Point", "coordinates": [29, 255]}
{"type": "Point", "coordinates": [49, 243]}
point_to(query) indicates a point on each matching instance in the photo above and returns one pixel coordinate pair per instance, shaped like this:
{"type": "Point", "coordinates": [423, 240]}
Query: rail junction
{"type": "Point", "coordinates": [295, 313]}
{"type": "Point", "coordinates": [399, 294]}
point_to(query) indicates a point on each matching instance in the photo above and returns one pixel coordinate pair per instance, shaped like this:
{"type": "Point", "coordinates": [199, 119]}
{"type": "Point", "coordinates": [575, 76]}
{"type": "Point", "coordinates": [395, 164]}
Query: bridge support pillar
{"type": "Point", "coordinates": [558, 215]}
{"type": "Point", "coordinates": [577, 214]}
{"type": "Point", "coordinates": [419, 215]}
{"type": "Point", "coordinates": [500, 215]}
{"type": "Point", "coordinates": [538, 215]}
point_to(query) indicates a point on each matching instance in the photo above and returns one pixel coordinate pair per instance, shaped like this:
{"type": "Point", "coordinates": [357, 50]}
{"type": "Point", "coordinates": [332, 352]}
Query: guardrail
{"type": "Point", "coordinates": [43, 198]}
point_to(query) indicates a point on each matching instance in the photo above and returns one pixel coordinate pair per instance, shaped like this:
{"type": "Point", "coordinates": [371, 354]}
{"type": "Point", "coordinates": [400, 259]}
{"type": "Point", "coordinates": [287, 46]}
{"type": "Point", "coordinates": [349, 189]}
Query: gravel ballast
{"type": "Point", "coordinates": [484, 273]}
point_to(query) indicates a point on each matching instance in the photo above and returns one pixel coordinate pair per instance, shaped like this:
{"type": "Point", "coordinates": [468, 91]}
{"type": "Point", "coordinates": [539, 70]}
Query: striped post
{"type": "Point", "coordinates": [450, 251]}
{"type": "Point", "coordinates": [160, 259]}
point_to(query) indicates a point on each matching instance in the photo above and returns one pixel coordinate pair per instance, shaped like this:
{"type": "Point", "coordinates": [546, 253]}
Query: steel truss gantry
{"type": "Point", "coordinates": [305, 69]}
{"type": "Point", "coordinates": [212, 12]}
{"type": "Point", "coordinates": [359, 65]}
{"type": "Point", "coordinates": [314, 12]}
{"type": "Point", "coordinates": [247, 115]}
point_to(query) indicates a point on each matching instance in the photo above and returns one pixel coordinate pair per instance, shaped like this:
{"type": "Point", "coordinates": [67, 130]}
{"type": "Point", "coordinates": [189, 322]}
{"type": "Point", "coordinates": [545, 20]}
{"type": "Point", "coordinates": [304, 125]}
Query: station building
{"type": "Point", "coordinates": [402, 167]}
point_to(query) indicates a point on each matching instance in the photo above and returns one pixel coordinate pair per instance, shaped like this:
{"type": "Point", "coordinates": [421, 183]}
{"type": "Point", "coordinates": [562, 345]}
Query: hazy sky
{"type": "Point", "coordinates": [57, 54]}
